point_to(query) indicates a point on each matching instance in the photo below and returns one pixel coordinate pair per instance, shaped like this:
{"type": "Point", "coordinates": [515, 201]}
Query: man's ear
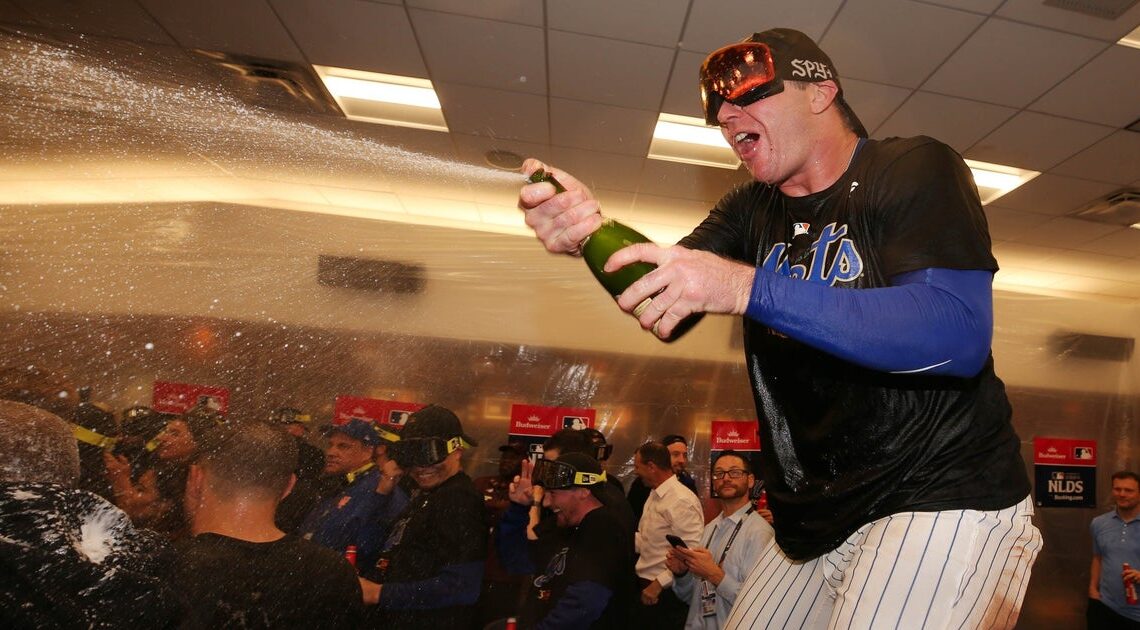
{"type": "Point", "coordinates": [288, 487]}
{"type": "Point", "coordinates": [823, 94]}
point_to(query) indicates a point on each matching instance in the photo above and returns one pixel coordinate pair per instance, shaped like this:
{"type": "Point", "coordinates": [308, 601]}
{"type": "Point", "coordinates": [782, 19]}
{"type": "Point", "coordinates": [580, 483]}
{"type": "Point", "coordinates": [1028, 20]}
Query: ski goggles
{"type": "Point", "coordinates": [413, 452]}
{"type": "Point", "coordinates": [556, 475]}
{"type": "Point", "coordinates": [740, 74]}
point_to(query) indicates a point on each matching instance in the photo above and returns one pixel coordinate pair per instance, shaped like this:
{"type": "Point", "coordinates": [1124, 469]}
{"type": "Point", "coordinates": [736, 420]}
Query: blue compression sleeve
{"type": "Point", "coordinates": [456, 585]}
{"type": "Point", "coordinates": [931, 321]}
{"type": "Point", "coordinates": [580, 605]}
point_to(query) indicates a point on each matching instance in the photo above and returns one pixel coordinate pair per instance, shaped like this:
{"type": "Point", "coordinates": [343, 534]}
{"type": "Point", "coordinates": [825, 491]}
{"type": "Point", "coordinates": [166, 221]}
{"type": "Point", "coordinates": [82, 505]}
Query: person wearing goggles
{"type": "Point", "coordinates": [429, 570]}
{"type": "Point", "coordinates": [867, 341]}
{"type": "Point", "coordinates": [583, 572]}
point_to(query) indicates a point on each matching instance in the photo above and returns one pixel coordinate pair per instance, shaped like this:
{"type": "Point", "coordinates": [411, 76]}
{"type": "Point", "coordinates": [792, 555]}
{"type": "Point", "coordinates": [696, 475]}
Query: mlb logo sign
{"type": "Point", "coordinates": [1083, 452]}
{"type": "Point", "coordinates": [576, 423]}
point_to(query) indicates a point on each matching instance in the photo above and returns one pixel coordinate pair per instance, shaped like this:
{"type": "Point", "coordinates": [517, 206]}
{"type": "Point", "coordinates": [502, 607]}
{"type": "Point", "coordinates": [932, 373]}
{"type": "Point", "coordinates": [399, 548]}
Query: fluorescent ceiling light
{"type": "Point", "coordinates": [387, 99]}
{"type": "Point", "coordinates": [995, 180]}
{"type": "Point", "coordinates": [1132, 39]}
{"type": "Point", "coordinates": [690, 141]}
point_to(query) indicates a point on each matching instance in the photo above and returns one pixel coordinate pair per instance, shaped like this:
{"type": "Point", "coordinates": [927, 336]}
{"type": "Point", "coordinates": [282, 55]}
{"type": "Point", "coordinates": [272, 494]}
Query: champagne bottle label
{"type": "Point", "coordinates": [599, 246]}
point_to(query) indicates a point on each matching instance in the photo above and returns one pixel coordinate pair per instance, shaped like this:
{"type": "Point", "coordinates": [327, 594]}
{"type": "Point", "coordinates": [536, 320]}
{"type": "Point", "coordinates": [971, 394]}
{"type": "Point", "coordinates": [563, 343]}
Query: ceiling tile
{"type": "Point", "coordinates": [688, 181]}
{"type": "Point", "coordinates": [896, 42]}
{"type": "Point", "coordinates": [984, 67]}
{"type": "Point", "coordinates": [494, 113]}
{"type": "Point", "coordinates": [473, 51]}
{"type": "Point", "coordinates": [663, 210]}
{"type": "Point", "coordinates": [608, 71]}
{"type": "Point", "coordinates": [1114, 159]}
{"type": "Point", "coordinates": [1036, 141]}
{"type": "Point", "coordinates": [958, 122]}
{"type": "Point", "coordinates": [683, 95]}
{"type": "Point", "coordinates": [601, 127]}
{"type": "Point", "coordinates": [601, 170]}
{"type": "Point", "coordinates": [249, 28]}
{"type": "Point", "coordinates": [516, 11]}
{"type": "Point", "coordinates": [1053, 195]}
{"type": "Point", "coordinates": [1064, 233]}
{"type": "Point", "coordinates": [1021, 255]}
{"type": "Point", "coordinates": [1105, 91]}
{"type": "Point", "coordinates": [1124, 242]}
{"type": "Point", "coordinates": [625, 20]}
{"type": "Point", "coordinates": [873, 102]}
{"type": "Point", "coordinates": [353, 34]}
{"type": "Point", "coordinates": [113, 18]}
{"type": "Point", "coordinates": [1008, 225]}
{"type": "Point", "coordinates": [976, 6]}
{"type": "Point", "coordinates": [716, 23]}
{"type": "Point", "coordinates": [1036, 12]}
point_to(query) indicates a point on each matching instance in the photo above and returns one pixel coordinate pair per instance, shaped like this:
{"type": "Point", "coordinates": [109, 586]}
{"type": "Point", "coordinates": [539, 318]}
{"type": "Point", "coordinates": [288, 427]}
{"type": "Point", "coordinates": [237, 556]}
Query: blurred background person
{"type": "Point", "coordinates": [153, 499]}
{"type": "Point", "coordinates": [431, 567]}
{"type": "Point", "coordinates": [239, 569]}
{"type": "Point", "coordinates": [68, 557]}
{"type": "Point", "coordinates": [502, 591]}
{"type": "Point", "coordinates": [584, 572]}
{"type": "Point", "coordinates": [671, 509]}
{"type": "Point", "coordinates": [709, 577]}
{"type": "Point", "coordinates": [678, 448]}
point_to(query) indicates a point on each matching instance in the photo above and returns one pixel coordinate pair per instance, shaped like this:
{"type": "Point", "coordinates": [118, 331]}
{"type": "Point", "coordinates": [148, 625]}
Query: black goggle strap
{"type": "Point", "coordinates": [428, 451]}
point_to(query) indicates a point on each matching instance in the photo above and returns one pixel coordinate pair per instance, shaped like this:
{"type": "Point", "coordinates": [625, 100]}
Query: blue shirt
{"type": "Point", "coordinates": [1116, 542]}
{"type": "Point", "coordinates": [755, 534]}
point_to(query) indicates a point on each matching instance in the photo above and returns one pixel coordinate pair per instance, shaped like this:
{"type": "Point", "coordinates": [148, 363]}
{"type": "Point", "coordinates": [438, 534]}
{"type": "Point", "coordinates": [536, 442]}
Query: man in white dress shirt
{"type": "Point", "coordinates": [670, 509]}
{"type": "Point", "coordinates": [709, 576]}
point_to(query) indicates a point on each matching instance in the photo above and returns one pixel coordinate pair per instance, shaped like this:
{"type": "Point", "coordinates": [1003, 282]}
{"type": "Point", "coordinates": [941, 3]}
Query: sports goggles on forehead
{"type": "Point", "coordinates": [413, 452]}
{"type": "Point", "coordinates": [556, 475]}
{"type": "Point", "coordinates": [740, 74]}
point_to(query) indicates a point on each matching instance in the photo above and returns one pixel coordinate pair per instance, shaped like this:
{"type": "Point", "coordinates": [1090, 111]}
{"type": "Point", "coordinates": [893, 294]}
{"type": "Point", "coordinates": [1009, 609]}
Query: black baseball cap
{"type": "Point", "coordinates": [434, 421]}
{"type": "Point", "coordinates": [756, 68]}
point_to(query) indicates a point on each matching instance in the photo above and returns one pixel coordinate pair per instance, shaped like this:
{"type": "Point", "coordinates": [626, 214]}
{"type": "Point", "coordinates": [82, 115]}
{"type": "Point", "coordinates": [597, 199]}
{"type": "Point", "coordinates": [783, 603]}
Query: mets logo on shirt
{"type": "Point", "coordinates": [834, 259]}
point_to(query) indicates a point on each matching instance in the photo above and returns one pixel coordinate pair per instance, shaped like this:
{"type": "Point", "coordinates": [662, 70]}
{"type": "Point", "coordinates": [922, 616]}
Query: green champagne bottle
{"type": "Point", "coordinates": [599, 246]}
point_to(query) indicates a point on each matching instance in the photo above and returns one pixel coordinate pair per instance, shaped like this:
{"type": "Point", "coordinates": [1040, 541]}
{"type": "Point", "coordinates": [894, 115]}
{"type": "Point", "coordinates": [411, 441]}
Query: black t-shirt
{"type": "Point", "coordinates": [288, 583]}
{"type": "Point", "coordinates": [598, 550]}
{"type": "Point", "coordinates": [843, 444]}
{"type": "Point", "coordinates": [441, 527]}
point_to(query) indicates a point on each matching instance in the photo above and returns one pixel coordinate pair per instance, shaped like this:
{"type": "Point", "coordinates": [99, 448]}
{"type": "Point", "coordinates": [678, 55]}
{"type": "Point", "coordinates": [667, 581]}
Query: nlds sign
{"type": "Point", "coordinates": [1064, 472]}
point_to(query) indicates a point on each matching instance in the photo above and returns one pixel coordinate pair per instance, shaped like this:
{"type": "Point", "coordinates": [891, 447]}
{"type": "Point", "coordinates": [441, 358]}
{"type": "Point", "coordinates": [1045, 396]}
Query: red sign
{"type": "Point", "coordinates": [386, 412]}
{"type": "Point", "coordinates": [546, 421]}
{"type": "Point", "coordinates": [178, 397]}
{"type": "Point", "coordinates": [738, 435]}
{"type": "Point", "coordinates": [1064, 452]}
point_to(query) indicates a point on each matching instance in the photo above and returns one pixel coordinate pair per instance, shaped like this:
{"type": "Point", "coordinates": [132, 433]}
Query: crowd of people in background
{"type": "Point", "coordinates": [206, 521]}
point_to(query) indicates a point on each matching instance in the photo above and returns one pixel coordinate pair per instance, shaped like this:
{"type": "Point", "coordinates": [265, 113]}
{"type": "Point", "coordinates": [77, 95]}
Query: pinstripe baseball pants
{"type": "Point", "coordinates": [950, 569]}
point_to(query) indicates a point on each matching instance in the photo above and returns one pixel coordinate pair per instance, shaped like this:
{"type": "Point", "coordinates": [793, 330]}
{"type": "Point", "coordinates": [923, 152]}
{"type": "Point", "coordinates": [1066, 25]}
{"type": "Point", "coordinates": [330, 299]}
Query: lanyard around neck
{"type": "Point", "coordinates": [732, 538]}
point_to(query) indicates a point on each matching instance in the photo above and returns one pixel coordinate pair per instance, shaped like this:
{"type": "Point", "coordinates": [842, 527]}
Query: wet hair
{"type": "Point", "coordinates": [655, 453]}
{"type": "Point", "coordinates": [253, 458]}
{"type": "Point", "coordinates": [1126, 474]}
{"type": "Point", "coordinates": [673, 438]}
{"type": "Point", "coordinates": [36, 446]}
{"type": "Point", "coordinates": [736, 454]}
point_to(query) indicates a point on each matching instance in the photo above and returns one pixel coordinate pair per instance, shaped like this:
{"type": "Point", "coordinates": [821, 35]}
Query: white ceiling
{"type": "Point", "coordinates": [579, 83]}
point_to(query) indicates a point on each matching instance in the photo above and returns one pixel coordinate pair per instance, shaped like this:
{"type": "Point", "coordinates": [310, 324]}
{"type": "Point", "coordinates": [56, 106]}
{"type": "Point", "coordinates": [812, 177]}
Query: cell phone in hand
{"type": "Point", "coordinates": [675, 541]}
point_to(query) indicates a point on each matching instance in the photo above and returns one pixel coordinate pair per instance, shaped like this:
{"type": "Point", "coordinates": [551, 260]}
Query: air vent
{"type": "Point", "coordinates": [275, 84]}
{"type": "Point", "coordinates": [1106, 9]}
{"type": "Point", "coordinates": [380, 276]}
{"type": "Point", "coordinates": [1119, 208]}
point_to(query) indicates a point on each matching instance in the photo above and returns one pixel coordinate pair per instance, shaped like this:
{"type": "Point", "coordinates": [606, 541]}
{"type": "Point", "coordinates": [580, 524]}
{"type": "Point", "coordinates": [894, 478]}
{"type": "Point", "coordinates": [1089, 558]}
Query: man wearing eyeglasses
{"type": "Point", "coordinates": [430, 569]}
{"type": "Point", "coordinates": [862, 270]}
{"type": "Point", "coordinates": [583, 570]}
{"type": "Point", "coordinates": [709, 576]}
